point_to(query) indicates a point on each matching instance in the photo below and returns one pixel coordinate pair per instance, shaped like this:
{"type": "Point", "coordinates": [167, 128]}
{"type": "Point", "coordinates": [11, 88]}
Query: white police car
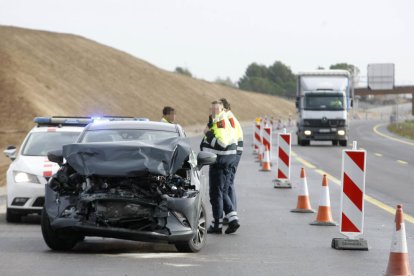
{"type": "Point", "coordinates": [30, 169]}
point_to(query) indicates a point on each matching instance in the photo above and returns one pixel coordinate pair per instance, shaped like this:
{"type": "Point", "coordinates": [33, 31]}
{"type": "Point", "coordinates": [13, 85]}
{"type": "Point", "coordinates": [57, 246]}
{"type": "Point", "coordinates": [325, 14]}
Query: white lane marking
{"type": "Point", "coordinates": [180, 265]}
{"type": "Point", "coordinates": [402, 162]}
{"type": "Point", "coordinates": [378, 154]}
{"type": "Point", "coordinates": [390, 137]}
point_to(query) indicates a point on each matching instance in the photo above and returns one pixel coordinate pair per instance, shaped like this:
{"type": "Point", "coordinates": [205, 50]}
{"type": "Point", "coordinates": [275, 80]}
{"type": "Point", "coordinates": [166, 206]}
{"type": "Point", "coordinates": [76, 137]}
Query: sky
{"type": "Point", "coordinates": [220, 38]}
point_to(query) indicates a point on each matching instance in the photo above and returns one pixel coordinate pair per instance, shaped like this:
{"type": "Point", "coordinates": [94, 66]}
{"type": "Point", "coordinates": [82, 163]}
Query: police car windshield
{"type": "Point", "coordinates": [40, 143]}
{"type": "Point", "coordinates": [117, 135]}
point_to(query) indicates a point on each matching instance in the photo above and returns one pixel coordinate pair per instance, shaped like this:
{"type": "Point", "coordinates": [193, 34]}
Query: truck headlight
{"type": "Point", "coordinates": [20, 177]}
{"type": "Point", "coordinates": [307, 132]}
{"type": "Point", "coordinates": [341, 132]}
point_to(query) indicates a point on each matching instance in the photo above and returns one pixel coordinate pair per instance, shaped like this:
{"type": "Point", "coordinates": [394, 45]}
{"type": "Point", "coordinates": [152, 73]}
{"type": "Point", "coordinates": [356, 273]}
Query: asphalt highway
{"type": "Point", "coordinates": [271, 239]}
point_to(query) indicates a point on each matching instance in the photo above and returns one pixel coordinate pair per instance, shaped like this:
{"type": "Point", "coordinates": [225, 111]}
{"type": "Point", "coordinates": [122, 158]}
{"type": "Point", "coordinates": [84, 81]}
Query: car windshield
{"type": "Point", "coordinates": [40, 143]}
{"type": "Point", "coordinates": [116, 135]}
{"type": "Point", "coordinates": [324, 102]}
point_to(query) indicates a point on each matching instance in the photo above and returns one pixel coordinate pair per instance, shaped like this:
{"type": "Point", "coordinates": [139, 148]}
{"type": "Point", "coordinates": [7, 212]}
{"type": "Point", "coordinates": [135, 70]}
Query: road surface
{"type": "Point", "coordinates": [271, 240]}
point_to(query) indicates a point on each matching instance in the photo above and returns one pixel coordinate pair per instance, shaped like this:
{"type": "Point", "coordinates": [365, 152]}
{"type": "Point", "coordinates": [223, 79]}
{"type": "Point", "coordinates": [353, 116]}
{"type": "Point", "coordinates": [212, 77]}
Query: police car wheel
{"type": "Point", "coordinates": [199, 240]}
{"type": "Point", "coordinates": [53, 240]}
{"type": "Point", "coordinates": [12, 216]}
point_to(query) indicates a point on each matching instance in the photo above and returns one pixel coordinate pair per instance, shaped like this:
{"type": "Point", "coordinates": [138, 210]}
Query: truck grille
{"type": "Point", "coordinates": [324, 123]}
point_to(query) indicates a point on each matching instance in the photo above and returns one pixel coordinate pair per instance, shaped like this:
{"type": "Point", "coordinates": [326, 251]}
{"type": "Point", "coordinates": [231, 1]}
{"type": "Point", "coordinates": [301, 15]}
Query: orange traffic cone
{"type": "Point", "coordinates": [260, 153]}
{"type": "Point", "coordinates": [266, 160]}
{"type": "Point", "coordinates": [398, 263]}
{"type": "Point", "coordinates": [324, 217]}
{"type": "Point", "coordinates": [303, 205]}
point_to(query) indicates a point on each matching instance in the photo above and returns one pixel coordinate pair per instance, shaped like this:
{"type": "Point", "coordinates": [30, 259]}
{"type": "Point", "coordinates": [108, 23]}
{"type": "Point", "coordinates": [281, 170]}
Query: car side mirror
{"type": "Point", "coordinates": [10, 152]}
{"type": "Point", "coordinates": [205, 158]}
{"type": "Point", "coordinates": [55, 156]}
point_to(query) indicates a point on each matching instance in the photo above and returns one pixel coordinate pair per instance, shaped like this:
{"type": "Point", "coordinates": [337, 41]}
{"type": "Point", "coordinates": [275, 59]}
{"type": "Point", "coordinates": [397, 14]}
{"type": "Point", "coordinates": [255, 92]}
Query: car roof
{"type": "Point", "coordinates": [150, 125]}
{"type": "Point", "coordinates": [57, 129]}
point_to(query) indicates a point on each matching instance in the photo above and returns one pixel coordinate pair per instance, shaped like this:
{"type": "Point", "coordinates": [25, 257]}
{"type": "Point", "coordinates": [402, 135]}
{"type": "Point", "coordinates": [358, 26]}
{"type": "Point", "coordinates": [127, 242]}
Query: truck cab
{"type": "Point", "coordinates": [323, 101]}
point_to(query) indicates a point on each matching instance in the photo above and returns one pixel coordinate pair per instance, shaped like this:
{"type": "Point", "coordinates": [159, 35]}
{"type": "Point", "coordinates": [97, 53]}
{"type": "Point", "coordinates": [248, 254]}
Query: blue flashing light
{"type": "Point", "coordinates": [42, 120]}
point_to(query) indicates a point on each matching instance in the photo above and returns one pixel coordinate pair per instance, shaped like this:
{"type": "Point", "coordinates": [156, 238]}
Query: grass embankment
{"type": "Point", "coordinates": [404, 129]}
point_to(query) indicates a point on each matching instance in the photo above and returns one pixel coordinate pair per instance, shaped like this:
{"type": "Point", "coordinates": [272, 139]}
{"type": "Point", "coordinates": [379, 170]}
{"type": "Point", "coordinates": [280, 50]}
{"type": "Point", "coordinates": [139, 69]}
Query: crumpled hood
{"type": "Point", "coordinates": [128, 158]}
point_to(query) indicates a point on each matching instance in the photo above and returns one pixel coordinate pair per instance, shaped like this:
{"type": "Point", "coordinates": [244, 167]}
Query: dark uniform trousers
{"type": "Point", "coordinates": [219, 179]}
{"type": "Point", "coordinates": [232, 188]}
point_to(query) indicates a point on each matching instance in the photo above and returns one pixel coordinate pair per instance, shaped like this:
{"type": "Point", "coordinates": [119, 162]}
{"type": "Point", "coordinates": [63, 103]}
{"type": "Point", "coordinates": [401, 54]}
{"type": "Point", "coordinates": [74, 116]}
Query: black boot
{"type": "Point", "coordinates": [233, 226]}
{"type": "Point", "coordinates": [214, 230]}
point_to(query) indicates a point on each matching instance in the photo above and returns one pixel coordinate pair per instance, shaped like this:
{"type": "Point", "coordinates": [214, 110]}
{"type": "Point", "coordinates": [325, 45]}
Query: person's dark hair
{"type": "Point", "coordinates": [168, 110]}
{"type": "Point", "coordinates": [216, 102]}
{"type": "Point", "coordinates": [226, 104]}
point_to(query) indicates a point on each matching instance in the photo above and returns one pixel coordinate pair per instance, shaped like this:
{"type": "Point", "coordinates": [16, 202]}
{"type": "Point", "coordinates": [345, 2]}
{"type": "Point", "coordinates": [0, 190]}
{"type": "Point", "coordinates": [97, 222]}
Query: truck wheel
{"type": "Point", "coordinates": [334, 142]}
{"type": "Point", "coordinates": [343, 143]}
{"type": "Point", "coordinates": [305, 142]}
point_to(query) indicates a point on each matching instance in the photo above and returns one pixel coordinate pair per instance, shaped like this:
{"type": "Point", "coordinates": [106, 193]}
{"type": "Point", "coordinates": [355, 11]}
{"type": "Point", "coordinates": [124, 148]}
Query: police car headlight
{"type": "Point", "coordinates": [20, 177]}
{"type": "Point", "coordinates": [341, 132]}
{"type": "Point", "coordinates": [307, 132]}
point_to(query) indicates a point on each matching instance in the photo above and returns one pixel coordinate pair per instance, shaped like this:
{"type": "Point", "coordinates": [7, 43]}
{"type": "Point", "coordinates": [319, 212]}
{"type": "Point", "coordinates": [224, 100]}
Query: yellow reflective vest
{"type": "Point", "coordinates": [163, 120]}
{"type": "Point", "coordinates": [220, 139]}
{"type": "Point", "coordinates": [237, 130]}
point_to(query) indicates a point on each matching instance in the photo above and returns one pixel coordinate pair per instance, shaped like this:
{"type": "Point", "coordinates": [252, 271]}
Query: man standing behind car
{"type": "Point", "coordinates": [238, 133]}
{"type": "Point", "coordinates": [168, 115]}
{"type": "Point", "coordinates": [219, 139]}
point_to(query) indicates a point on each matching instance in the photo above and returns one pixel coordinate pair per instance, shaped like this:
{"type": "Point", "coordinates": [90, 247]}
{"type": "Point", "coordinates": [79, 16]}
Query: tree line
{"type": "Point", "coordinates": [276, 79]}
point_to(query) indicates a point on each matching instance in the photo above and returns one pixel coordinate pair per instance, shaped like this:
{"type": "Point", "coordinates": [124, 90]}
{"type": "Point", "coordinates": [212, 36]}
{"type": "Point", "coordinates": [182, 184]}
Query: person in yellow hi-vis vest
{"type": "Point", "coordinates": [168, 115]}
{"type": "Point", "coordinates": [219, 139]}
{"type": "Point", "coordinates": [238, 136]}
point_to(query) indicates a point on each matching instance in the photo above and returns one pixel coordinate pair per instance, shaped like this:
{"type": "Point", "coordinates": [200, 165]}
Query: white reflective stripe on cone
{"type": "Point", "coordinates": [324, 200]}
{"type": "Point", "coordinates": [399, 241]}
{"type": "Point", "coordinates": [303, 187]}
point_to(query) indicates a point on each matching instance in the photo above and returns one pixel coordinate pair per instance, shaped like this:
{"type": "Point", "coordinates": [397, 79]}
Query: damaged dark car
{"type": "Point", "coordinates": [127, 180]}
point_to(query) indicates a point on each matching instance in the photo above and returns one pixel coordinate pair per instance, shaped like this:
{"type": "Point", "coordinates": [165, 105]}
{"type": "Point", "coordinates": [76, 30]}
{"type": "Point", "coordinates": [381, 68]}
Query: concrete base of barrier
{"type": "Point", "coordinates": [349, 244]}
{"type": "Point", "coordinates": [282, 184]}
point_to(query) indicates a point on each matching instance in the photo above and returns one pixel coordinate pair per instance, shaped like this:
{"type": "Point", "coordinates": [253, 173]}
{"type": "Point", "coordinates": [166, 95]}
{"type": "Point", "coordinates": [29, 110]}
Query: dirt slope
{"type": "Point", "coordinates": [44, 73]}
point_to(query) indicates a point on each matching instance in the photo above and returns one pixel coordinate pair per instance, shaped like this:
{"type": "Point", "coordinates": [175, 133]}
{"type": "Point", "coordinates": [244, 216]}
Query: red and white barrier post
{"type": "Point", "coordinates": [283, 161]}
{"type": "Point", "coordinates": [267, 138]}
{"type": "Point", "coordinates": [257, 140]}
{"type": "Point", "coordinates": [352, 200]}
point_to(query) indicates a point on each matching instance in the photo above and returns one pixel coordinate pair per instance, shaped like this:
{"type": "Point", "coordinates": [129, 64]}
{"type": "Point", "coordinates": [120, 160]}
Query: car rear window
{"type": "Point", "coordinates": [117, 135]}
{"type": "Point", "coordinates": [40, 143]}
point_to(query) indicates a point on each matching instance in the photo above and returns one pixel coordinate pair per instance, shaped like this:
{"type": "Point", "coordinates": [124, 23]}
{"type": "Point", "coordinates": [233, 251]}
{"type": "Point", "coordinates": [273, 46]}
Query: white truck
{"type": "Point", "coordinates": [323, 100]}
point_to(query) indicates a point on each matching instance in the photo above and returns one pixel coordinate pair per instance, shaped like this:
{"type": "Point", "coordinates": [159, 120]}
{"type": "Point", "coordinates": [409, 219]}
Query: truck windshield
{"type": "Point", "coordinates": [324, 102]}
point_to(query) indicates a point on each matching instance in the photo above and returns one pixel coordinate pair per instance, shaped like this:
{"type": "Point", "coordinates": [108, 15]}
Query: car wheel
{"type": "Point", "coordinates": [199, 240]}
{"type": "Point", "coordinates": [343, 143]}
{"type": "Point", "coordinates": [12, 216]}
{"type": "Point", "coordinates": [334, 142]}
{"type": "Point", "coordinates": [53, 240]}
